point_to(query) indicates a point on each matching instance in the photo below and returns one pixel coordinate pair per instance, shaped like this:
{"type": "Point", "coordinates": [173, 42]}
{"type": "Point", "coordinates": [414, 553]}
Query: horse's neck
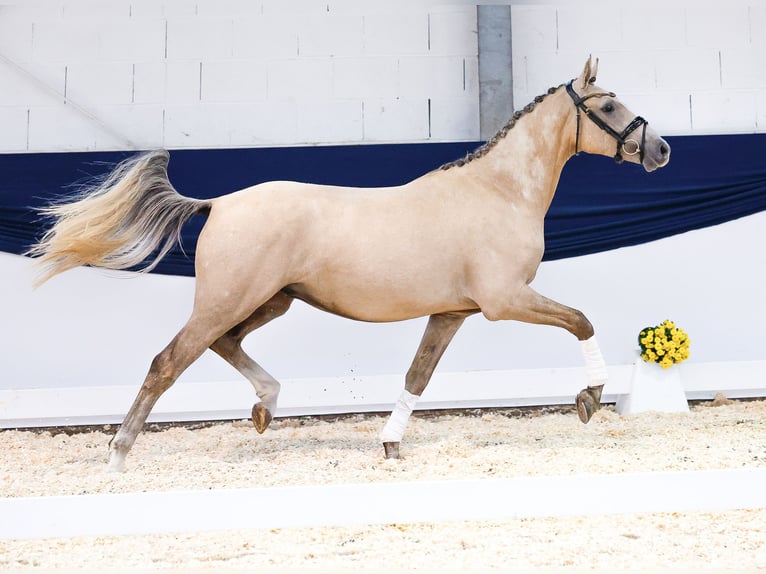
{"type": "Point", "coordinates": [527, 162]}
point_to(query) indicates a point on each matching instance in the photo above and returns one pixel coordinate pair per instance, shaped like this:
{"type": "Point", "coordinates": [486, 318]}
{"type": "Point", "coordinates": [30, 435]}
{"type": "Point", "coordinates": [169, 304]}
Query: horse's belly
{"type": "Point", "coordinates": [378, 303]}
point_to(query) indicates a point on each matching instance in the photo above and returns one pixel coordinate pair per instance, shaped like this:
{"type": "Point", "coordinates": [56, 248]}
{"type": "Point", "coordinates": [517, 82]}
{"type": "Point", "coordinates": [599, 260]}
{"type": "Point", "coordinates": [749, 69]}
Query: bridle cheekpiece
{"type": "Point", "coordinates": [625, 144]}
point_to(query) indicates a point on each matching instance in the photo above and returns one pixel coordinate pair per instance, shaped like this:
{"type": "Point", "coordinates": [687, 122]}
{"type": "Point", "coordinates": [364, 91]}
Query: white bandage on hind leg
{"type": "Point", "coordinates": [394, 428]}
{"type": "Point", "coordinates": [595, 367]}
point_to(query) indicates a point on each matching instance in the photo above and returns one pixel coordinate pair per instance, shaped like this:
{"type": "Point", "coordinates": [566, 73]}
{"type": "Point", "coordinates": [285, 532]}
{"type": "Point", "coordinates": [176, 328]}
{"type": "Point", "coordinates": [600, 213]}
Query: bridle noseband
{"type": "Point", "coordinates": [624, 144]}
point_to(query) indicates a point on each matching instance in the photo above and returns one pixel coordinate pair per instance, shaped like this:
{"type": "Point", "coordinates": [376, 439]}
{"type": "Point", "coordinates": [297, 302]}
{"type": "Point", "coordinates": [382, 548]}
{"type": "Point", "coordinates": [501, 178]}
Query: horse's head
{"type": "Point", "coordinates": [606, 127]}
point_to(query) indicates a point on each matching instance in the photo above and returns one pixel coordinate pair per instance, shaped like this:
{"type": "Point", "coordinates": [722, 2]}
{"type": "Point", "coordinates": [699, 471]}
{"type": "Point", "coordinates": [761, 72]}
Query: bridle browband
{"type": "Point", "coordinates": [624, 144]}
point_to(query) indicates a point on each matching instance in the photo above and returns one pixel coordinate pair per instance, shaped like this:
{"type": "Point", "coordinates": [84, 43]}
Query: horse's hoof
{"type": "Point", "coordinates": [588, 401]}
{"type": "Point", "coordinates": [391, 449]}
{"type": "Point", "coordinates": [261, 417]}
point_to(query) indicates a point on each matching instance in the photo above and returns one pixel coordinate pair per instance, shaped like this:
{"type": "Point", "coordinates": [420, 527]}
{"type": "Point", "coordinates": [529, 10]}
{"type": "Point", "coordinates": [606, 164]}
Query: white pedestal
{"type": "Point", "coordinates": [653, 388]}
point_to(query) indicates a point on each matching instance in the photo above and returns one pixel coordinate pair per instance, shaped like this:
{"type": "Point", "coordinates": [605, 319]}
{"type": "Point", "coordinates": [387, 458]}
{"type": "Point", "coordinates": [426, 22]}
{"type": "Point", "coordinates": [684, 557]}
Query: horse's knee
{"type": "Point", "coordinates": [581, 326]}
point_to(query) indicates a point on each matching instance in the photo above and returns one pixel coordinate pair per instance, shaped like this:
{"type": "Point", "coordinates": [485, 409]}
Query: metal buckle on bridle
{"type": "Point", "coordinates": [626, 145]}
{"type": "Point", "coordinates": [631, 147]}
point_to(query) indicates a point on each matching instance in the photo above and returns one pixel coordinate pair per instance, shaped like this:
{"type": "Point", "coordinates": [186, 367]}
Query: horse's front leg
{"type": "Point", "coordinates": [530, 307]}
{"type": "Point", "coordinates": [588, 400]}
{"type": "Point", "coordinates": [439, 332]}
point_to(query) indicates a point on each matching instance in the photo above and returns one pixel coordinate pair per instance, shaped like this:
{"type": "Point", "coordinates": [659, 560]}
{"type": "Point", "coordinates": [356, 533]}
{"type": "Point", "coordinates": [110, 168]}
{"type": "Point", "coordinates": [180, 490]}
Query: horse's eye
{"type": "Point", "coordinates": [608, 107]}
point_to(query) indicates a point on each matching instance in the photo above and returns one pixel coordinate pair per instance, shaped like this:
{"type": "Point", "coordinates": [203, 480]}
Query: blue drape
{"type": "Point", "coordinates": [599, 205]}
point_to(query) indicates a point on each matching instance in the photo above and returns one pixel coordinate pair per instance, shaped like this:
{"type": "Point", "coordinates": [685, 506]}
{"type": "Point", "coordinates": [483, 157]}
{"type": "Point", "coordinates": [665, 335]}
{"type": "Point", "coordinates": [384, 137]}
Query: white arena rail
{"type": "Point", "coordinates": [228, 400]}
{"type": "Point", "coordinates": [380, 503]}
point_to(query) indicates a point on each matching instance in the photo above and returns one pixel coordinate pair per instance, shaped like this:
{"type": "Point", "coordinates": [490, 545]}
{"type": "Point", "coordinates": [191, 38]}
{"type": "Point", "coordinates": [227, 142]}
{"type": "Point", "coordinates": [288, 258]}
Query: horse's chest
{"type": "Point", "coordinates": [509, 257]}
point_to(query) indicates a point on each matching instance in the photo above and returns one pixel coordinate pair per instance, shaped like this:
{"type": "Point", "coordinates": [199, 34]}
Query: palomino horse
{"type": "Point", "coordinates": [460, 240]}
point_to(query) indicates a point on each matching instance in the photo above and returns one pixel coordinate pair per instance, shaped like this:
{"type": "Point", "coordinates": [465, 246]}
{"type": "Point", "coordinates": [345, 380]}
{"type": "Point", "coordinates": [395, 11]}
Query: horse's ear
{"type": "Point", "coordinates": [593, 72]}
{"type": "Point", "coordinates": [588, 75]}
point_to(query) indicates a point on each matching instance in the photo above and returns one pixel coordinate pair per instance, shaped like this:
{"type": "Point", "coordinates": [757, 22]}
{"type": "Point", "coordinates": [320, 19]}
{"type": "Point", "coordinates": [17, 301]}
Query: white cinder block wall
{"type": "Point", "coordinates": [689, 67]}
{"type": "Point", "coordinates": [86, 75]}
{"type": "Point", "coordinates": [81, 75]}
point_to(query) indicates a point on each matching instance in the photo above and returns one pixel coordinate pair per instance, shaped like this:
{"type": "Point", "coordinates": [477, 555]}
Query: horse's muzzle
{"type": "Point", "coordinates": [656, 155]}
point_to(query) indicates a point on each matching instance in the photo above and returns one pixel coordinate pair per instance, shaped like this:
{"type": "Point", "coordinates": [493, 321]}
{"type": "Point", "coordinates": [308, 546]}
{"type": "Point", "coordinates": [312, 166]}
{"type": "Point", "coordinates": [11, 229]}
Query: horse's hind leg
{"type": "Point", "coordinates": [229, 347]}
{"type": "Point", "coordinates": [439, 332]}
{"type": "Point", "coordinates": [166, 367]}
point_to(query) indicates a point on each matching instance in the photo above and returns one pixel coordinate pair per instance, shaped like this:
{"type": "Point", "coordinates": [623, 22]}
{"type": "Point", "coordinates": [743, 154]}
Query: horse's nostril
{"type": "Point", "coordinates": [663, 149]}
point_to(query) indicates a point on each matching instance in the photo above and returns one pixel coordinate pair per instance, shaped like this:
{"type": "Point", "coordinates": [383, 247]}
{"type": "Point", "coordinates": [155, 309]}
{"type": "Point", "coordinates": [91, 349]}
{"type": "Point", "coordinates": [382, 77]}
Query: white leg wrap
{"type": "Point", "coordinates": [394, 428]}
{"type": "Point", "coordinates": [595, 367]}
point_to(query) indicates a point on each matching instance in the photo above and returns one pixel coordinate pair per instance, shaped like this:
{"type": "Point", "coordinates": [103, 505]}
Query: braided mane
{"type": "Point", "coordinates": [494, 140]}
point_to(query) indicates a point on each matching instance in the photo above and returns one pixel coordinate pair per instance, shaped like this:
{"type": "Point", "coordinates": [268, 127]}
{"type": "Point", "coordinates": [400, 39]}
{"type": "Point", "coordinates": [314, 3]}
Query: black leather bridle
{"type": "Point", "coordinates": [624, 144]}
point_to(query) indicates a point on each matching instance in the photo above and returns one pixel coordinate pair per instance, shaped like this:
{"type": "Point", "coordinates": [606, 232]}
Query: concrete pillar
{"type": "Point", "coordinates": [495, 68]}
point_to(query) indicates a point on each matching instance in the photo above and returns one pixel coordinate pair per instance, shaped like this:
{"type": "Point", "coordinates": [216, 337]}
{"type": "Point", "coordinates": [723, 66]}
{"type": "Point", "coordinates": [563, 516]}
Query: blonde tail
{"type": "Point", "coordinates": [119, 223]}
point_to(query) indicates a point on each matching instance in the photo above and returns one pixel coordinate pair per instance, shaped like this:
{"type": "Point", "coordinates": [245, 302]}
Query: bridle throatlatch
{"type": "Point", "coordinates": [625, 144]}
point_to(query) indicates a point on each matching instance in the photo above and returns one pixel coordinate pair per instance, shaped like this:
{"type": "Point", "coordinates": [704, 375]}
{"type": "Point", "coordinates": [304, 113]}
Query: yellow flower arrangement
{"type": "Point", "coordinates": [665, 344]}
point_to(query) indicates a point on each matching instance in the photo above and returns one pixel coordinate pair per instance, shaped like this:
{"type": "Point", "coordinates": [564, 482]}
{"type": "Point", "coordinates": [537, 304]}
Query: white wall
{"type": "Point", "coordinates": [86, 75]}
{"type": "Point", "coordinates": [688, 66]}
